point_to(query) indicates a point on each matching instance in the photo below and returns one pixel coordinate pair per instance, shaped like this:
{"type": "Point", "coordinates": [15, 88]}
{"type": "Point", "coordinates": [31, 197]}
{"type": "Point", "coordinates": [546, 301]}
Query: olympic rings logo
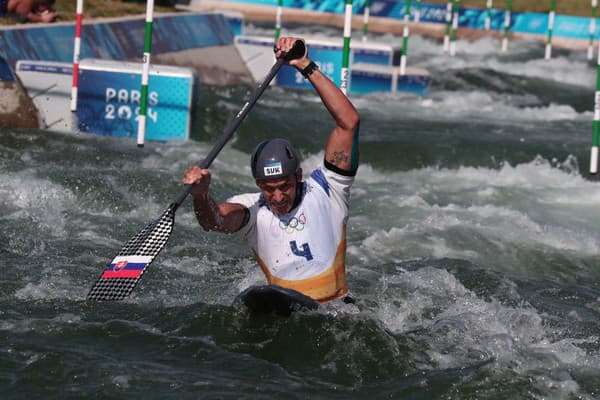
{"type": "Point", "coordinates": [294, 224]}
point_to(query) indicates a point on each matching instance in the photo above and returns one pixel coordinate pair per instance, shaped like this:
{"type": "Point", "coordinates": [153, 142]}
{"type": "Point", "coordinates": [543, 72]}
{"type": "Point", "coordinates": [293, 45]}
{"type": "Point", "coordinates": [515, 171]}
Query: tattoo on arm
{"type": "Point", "coordinates": [345, 161]}
{"type": "Point", "coordinates": [338, 158]}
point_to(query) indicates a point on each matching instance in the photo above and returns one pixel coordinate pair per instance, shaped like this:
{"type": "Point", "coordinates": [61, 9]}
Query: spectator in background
{"type": "Point", "coordinates": [30, 10]}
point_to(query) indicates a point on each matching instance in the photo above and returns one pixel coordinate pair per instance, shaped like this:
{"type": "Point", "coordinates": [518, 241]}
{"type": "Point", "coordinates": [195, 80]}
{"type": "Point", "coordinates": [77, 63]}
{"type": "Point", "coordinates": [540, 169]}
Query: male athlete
{"type": "Point", "coordinates": [296, 229]}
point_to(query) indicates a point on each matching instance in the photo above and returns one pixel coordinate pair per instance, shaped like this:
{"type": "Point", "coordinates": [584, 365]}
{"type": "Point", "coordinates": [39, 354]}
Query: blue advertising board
{"type": "Point", "coordinates": [373, 66]}
{"type": "Point", "coordinates": [369, 78]}
{"type": "Point", "coordinates": [361, 52]}
{"type": "Point", "coordinates": [368, 82]}
{"type": "Point", "coordinates": [6, 73]}
{"type": "Point", "coordinates": [413, 83]}
{"type": "Point", "coordinates": [530, 23]}
{"type": "Point", "coordinates": [109, 100]}
{"type": "Point", "coordinates": [327, 54]}
{"type": "Point", "coordinates": [329, 59]}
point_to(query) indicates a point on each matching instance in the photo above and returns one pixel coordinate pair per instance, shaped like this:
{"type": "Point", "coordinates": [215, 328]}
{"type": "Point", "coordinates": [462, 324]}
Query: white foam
{"type": "Point", "coordinates": [497, 218]}
{"type": "Point", "coordinates": [42, 202]}
{"type": "Point", "coordinates": [485, 53]}
{"type": "Point", "coordinates": [467, 105]}
{"type": "Point", "coordinates": [462, 329]}
{"type": "Point", "coordinates": [56, 284]}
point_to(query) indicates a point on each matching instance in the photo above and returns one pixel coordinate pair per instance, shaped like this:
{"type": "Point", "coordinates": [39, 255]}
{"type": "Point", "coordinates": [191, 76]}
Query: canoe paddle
{"type": "Point", "coordinates": [124, 272]}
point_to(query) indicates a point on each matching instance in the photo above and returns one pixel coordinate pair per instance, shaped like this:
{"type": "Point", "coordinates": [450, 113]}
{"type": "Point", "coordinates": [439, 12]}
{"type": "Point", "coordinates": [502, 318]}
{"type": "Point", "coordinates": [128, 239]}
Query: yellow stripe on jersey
{"type": "Point", "coordinates": [328, 285]}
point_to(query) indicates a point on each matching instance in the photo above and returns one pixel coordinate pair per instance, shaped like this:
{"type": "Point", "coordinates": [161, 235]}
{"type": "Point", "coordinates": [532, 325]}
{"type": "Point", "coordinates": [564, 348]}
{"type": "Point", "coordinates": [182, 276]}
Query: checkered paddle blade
{"type": "Point", "coordinates": [124, 272]}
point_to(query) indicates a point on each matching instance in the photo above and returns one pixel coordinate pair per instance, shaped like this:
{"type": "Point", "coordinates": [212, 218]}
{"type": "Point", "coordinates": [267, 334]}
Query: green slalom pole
{"type": "Point", "coordinates": [145, 74]}
{"type": "Point", "coordinates": [346, 54]}
{"type": "Point", "coordinates": [506, 25]}
{"type": "Point", "coordinates": [590, 53]}
{"type": "Point", "coordinates": [594, 153]}
{"type": "Point", "coordinates": [405, 33]}
{"type": "Point", "coordinates": [366, 20]}
{"type": "Point", "coordinates": [548, 54]}
{"type": "Point", "coordinates": [488, 15]}
{"type": "Point", "coordinates": [278, 19]}
{"type": "Point", "coordinates": [448, 25]}
{"type": "Point", "coordinates": [454, 27]}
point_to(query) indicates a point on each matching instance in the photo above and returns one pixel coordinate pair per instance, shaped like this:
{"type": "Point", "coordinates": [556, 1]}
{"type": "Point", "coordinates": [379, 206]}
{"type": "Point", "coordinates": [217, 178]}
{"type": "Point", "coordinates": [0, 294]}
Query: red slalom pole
{"type": "Point", "coordinates": [76, 52]}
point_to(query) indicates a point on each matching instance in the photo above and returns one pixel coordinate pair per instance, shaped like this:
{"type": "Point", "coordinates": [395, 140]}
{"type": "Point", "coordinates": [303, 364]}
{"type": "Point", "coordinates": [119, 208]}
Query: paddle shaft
{"type": "Point", "coordinates": [296, 52]}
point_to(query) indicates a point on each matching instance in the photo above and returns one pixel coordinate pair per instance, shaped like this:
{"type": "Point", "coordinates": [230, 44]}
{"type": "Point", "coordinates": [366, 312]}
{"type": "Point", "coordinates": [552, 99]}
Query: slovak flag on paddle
{"type": "Point", "coordinates": [126, 267]}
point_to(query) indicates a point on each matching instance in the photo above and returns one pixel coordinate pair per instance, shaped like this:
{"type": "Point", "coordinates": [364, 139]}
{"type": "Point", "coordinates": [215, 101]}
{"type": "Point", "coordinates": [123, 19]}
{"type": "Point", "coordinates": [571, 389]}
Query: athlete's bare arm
{"type": "Point", "coordinates": [224, 217]}
{"type": "Point", "coordinates": [342, 146]}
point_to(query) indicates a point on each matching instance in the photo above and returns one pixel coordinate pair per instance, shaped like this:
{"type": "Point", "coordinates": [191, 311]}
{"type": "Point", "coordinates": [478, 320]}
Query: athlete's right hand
{"type": "Point", "coordinates": [285, 44]}
{"type": "Point", "coordinates": [199, 178]}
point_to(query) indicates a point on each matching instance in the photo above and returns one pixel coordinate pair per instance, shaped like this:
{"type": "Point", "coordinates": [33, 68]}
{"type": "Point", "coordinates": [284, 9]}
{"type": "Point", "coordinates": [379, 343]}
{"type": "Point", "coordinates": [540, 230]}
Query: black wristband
{"type": "Point", "coordinates": [310, 68]}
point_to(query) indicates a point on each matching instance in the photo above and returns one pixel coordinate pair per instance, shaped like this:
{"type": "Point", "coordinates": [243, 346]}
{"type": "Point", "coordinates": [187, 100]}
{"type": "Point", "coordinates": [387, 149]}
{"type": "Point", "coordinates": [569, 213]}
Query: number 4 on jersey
{"type": "Point", "coordinates": [305, 252]}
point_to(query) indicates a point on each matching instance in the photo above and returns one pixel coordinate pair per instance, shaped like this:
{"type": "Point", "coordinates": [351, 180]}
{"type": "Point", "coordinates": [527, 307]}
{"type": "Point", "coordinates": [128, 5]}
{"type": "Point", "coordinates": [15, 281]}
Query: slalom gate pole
{"type": "Point", "coordinates": [595, 139]}
{"type": "Point", "coordinates": [405, 34]}
{"type": "Point", "coordinates": [278, 19]}
{"type": "Point", "coordinates": [488, 15]}
{"type": "Point", "coordinates": [145, 74]}
{"type": "Point", "coordinates": [366, 14]}
{"type": "Point", "coordinates": [551, 14]}
{"type": "Point", "coordinates": [455, 16]}
{"type": "Point", "coordinates": [448, 24]}
{"type": "Point", "coordinates": [76, 54]}
{"type": "Point", "coordinates": [506, 25]}
{"type": "Point", "coordinates": [590, 52]}
{"type": "Point", "coordinates": [346, 53]}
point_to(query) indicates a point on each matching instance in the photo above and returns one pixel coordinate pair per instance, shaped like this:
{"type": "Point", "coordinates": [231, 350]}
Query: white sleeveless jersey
{"type": "Point", "coordinates": [304, 249]}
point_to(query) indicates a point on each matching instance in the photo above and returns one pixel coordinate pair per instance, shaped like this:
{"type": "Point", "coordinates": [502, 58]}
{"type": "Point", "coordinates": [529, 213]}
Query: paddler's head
{"type": "Point", "coordinates": [275, 165]}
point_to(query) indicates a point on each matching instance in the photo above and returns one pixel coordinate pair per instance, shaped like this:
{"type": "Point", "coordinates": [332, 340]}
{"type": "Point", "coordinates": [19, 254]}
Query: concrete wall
{"type": "Point", "coordinates": [16, 108]}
